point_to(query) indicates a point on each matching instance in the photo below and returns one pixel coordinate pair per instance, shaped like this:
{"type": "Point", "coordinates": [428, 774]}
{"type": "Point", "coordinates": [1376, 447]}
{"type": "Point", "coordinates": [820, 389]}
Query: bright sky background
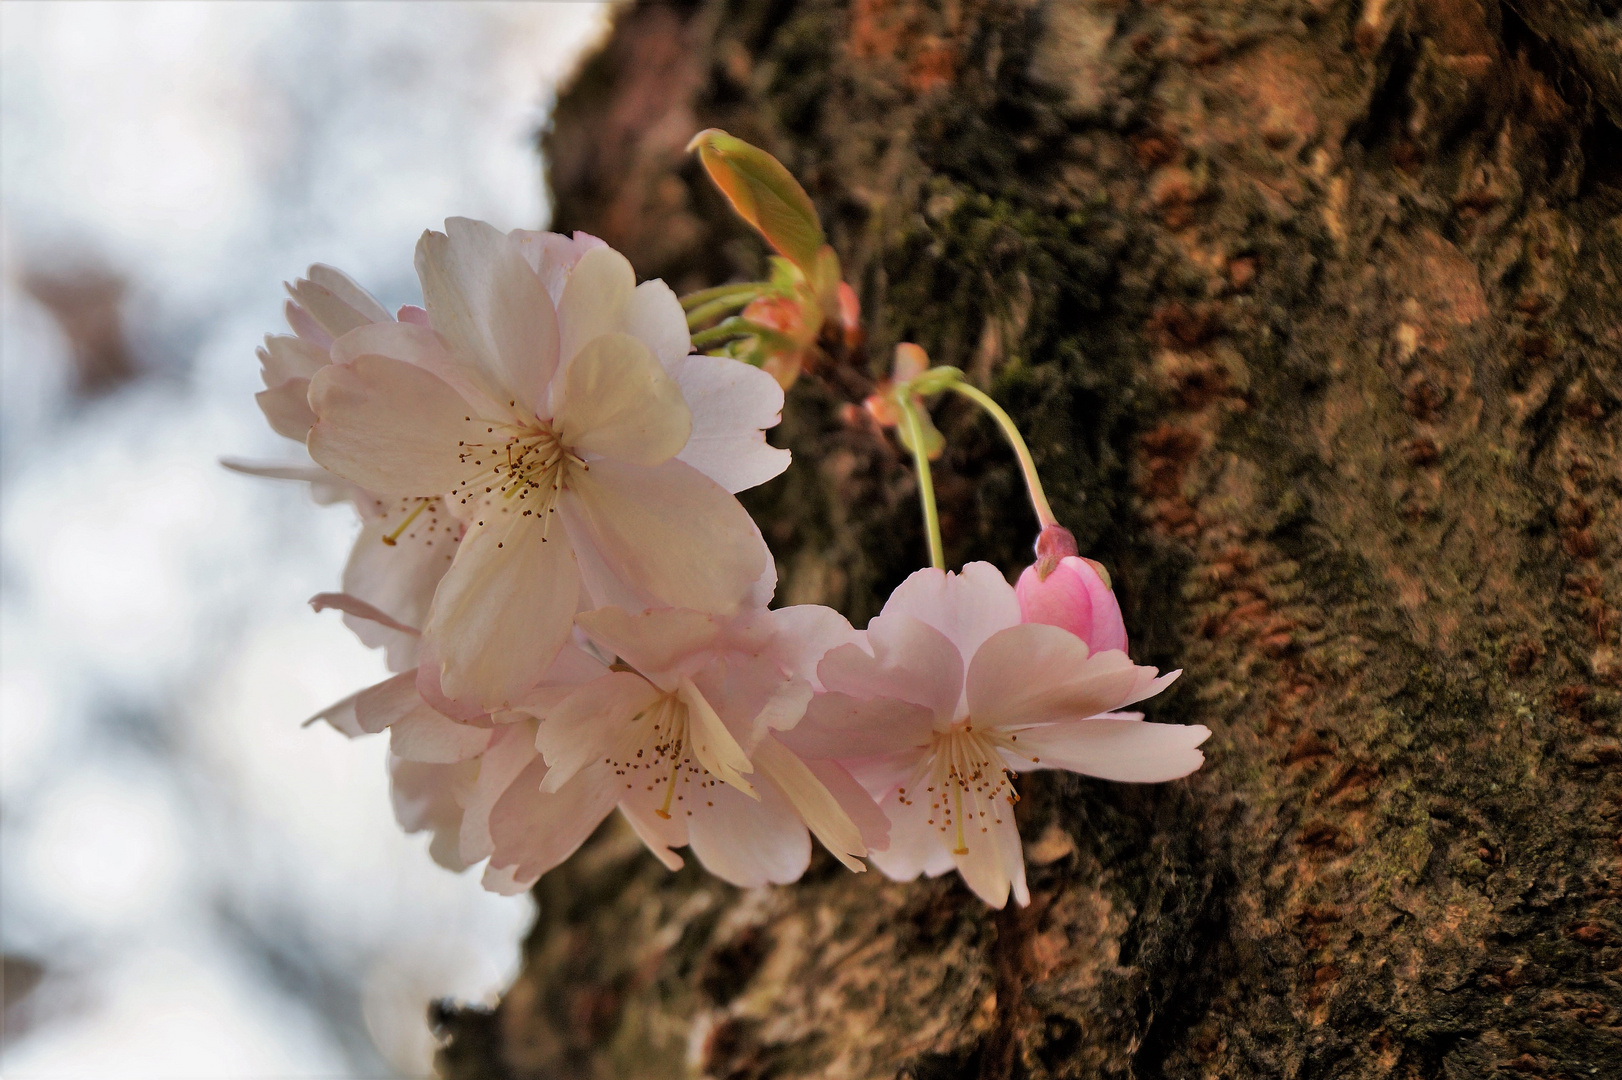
{"type": "Point", "coordinates": [217, 892]}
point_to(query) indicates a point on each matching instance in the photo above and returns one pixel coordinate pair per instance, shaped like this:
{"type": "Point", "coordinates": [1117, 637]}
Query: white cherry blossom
{"type": "Point", "coordinates": [553, 406]}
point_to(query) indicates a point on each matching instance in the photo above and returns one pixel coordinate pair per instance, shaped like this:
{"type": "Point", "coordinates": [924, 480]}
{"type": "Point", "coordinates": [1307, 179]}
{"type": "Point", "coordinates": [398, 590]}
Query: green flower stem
{"type": "Point", "coordinates": [705, 296]}
{"type": "Point", "coordinates": [1039, 499]}
{"type": "Point", "coordinates": [909, 406]}
{"type": "Point", "coordinates": [703, 313]}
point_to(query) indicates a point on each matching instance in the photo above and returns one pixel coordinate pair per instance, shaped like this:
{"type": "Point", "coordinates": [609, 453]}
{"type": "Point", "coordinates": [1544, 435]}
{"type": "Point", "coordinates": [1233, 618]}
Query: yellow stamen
{"type": "Point", "coordinates": [393, 538]}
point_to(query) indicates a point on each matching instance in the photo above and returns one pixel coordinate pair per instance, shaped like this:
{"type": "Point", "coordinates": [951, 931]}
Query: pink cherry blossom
{"type": "Point", "coordinates": [952, 697]}
{"type": "Point", "coordinates": [683, 736]}
{"type": "Point", "coordinates": [553, 406]}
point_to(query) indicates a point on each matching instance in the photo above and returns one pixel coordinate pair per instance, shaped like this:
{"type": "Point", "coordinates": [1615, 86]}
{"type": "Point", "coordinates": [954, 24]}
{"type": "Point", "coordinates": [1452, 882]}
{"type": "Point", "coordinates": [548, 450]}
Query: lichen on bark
{"type": "Point", "coordinates": [1313, 314]}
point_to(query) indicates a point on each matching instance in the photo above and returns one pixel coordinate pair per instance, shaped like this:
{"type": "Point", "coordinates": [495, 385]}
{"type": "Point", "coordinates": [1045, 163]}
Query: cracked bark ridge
{"type": "Point", "coordinates": [1311, 310]}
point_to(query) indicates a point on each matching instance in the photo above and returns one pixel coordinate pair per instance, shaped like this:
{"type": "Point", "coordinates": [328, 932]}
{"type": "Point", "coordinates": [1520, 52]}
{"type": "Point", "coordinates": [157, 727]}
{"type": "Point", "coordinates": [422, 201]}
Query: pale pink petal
{"type": "Point", "coordinates": [917, 845]}
{"type": "Point", "coordinates": [287, 408]}
{"type": "Point", "coordinates": [805, 633]}
{"type": "Point", "coordinates": [283, 357]}
{"type": "Point", "coordinates": [399, 578]}
{"type": "Point", "coordinates": [389, 426]}
{"type": "Point", "coordinates": [655, 317]}
{"type": "Point", "coordinates": [488, 304]}
{"type": "Point", "coordinates": [837, 726]}
{"type": "Point", "coordinates": [713, 745]}
{"type": "Point", "coordinates": [991, 860]}
{"type": "Point", "coordinates": [595, 298]}
{"type": "Point", "coordinates": [749, 843]}
{"type": "Point", "coordinates": [420, 346]}
{"type": "Point", "coordinates": [360, 609]}
{"type": "Point", "coordinates": [666, 531]}
{"type": "Point", "coordinates": [1074, 597]}
{"type": "Point", "coordinates": [512, 748]}
{"type": "Point", "coordinates": [911, 661]}
{"type": "Point", "coordinates": [1148, 686]}
{"type": "Point", "coordinates": [822, 813]}
{"type": "Point", "coordinates": [309, 474]}
{"type": "Point", "coordinates": [1112, 748]}
{"type": "Point", "coordinates": [731, 404]}
{"type": "Point", "coordinates": [1037, 674]}
{"type": "Point", "coordinates": [341, 716]}
{"type": "Point", "coordinates": [658, 834]}
{"type": "Point", "coordinates": [967, 607]}
{"type": "Point", "coordinates": [305, 326]}
{"type": "Point", "coordinates": [855, 800]}
{"type": "Point", "coordinates": [504, 608]}
{"type": "Point", "coordinates": [411, 313]}
{"type": "Point", "coordinates": [589, 723]}
{"type": "Point", "coordinates": [334, 302]}
{"type": "Point", "coordinates": [552, 256]}
{"type": "Point", "coordinates": [388, 702]}
{"type": "Point", "coordinates": [783, 709]}
{"type": "Point", "coordinates": [424, 798]}
{"type": "Point", "coordinates": [466, 709]}
{"type": "Point", "coordinates": [618, 402]}
{"type": "Point", "coordinates": [655, 641]}
{"type": "Point", "coordinates": [533, 831]}
{"type": "Point", "coordinates": [425, 735]}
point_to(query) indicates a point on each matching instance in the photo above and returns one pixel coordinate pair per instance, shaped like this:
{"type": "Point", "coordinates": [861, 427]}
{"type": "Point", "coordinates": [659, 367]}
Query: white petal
{"type": "Point", "coordinates": [505, 607]}
{"type": "Point", "coordinates": [287, 408]}
{"type": "Point", "coordinates": [341, 716]}
{"type": "Point", "coordinates": [815, 804]}
{"type": "Point", "coordinates": [656, 318]}
{"type": "Point", "coordinates": [911, 661]}
{"type": "Point", "coordinates": [1038, 674]}
{"type": "Point", "coordinates": [968, 607]}
{"type": "Point", "coordinates": [553, 255]}
{"type": "Point", "coordinates": [666, 531]}
{"type": "Point", "coordinates": [1113, 748]}
{"type": "Point", "coordinates": [534, 831]}
{"type": "Point", "coordinates": [488, 304]}
{"type": "Point", "coordinates": [618, 402]}
{"type": "Point", "coordinates": [732, 403]}
{"type": "Point", "coordinates": [590, 722]}
{"type": "Point", "coordinates": [595, 299]}
{"type": "Point", "coordinates": [425, 735]}
{"type": "Point", "coordinates": [389, 426]}
{"type": "Point", "coordinates": [749, 843]}
{"type": "Point", "coordinates": [713, 744]}
{"type": "Point", "coordinates": [654, 642]}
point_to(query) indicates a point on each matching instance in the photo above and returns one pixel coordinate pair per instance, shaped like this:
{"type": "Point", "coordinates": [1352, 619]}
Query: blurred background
{"type": "Point", "coordinates": [191, 885]}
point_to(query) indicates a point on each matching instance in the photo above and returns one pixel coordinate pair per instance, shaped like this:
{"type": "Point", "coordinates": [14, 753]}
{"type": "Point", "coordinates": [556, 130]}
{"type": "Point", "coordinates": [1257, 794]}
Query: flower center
{"type": "Point", "coordinates": [967, 783]}
{"type": "Point", "coordinates": [657, 752]}
{"type": "Point", "coordinates": [526, 466]}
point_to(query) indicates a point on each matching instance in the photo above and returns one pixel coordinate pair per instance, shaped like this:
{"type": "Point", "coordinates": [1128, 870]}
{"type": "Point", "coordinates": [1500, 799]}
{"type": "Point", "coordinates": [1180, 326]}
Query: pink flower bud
{"type": "Point", "coordinates": [1073, 596]}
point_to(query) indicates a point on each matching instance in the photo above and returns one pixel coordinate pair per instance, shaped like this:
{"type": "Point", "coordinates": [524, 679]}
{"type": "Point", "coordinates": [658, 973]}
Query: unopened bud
{"type": "Point", "coordinates": [1074, 596]}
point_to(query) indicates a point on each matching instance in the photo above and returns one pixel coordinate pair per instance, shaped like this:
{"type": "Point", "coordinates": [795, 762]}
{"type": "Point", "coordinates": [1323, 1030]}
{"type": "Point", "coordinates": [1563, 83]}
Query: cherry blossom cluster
{"type": "Point", "coordinates": [576, 608]}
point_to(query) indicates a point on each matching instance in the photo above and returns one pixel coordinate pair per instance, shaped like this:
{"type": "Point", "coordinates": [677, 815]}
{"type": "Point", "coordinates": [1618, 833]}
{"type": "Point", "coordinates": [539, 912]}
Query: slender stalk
{"type": "Point", "coordinates": [1033, 483]}
{"type": "Point", "coordinates": [704, 296]}
{"type": "Point", "coordinates": [703, 313]}
{"type": "Point", "coordinates": [926, 485]}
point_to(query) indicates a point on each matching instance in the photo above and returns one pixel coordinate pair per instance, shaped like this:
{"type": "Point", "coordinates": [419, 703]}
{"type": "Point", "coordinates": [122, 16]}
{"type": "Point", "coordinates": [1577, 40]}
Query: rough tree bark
{"type": "Point", "coordinates": [1313, 311]}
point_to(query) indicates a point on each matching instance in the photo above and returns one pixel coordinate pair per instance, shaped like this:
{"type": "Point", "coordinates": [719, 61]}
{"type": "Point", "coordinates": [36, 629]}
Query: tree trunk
{"type": "Point", "coordinates": [1311, 311]}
